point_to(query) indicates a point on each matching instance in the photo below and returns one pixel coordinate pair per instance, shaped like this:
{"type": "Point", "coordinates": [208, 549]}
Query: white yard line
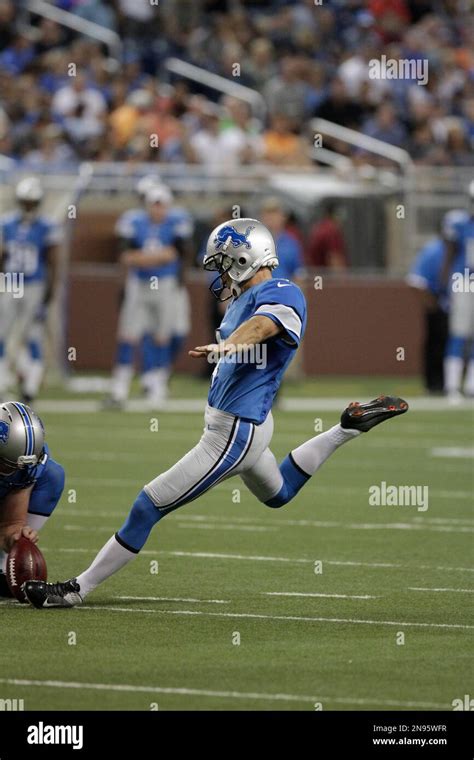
{"type": "Point", "coordinates": [173, 599]}
{"type": "Point", "coordinates": [265, 520]}
{"type": "Point", "coordinates": [260, 558]}
{"type": "Point", "coordinates": [230, 526]}
{"type": "Point", "coordinates": [453, 452]}
{"type": "Point", "coordinates": [325, 596]}
{"type": "Point", "coordinates": [289, 404]}
{"type": "Point", "coordinates": [220, 694]}
{"type": "Point", "coordinates": [457, 590]}
{"type": "Point", "coordinates": [261, 616]}
{"type": "Point", "coordinates": [213, 524]}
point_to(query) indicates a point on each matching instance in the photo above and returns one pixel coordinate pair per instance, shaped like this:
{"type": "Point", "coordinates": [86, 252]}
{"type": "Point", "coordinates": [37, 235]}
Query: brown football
{"type": "Point", "coordinates": [24, 563]}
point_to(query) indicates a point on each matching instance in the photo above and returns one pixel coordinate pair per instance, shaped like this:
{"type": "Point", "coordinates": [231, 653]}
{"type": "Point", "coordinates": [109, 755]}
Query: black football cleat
{"type": "Point", "coordinates": [41, 594]}
{"type": "Point", "coordinates": [5, 592]}
{"type": "Point", "coordinates": [364, 417]}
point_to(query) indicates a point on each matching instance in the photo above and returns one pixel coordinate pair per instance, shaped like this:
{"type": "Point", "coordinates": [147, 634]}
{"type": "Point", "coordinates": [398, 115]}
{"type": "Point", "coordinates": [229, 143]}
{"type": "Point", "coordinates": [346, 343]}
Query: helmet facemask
{"type": "Point", "coordinates": [221, 263]}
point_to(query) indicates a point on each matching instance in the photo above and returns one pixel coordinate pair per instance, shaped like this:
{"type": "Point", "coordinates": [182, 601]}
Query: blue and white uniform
{"type": "Point", "coordinates": [25, 244]}
{"type": "Point", "coordinates": [459, 229]}
{"type": "Point", "coordinates": [46, 480]}
{"type": "Point", "coordinates": [148, 309]}
{"type": "Point", "coordinates": [239, 423]}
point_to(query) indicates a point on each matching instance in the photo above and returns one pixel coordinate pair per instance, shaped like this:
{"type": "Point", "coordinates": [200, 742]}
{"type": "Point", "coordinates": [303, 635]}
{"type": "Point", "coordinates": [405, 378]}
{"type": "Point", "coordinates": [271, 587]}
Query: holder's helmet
{"type": "Point", "coordinates": [21, 437]}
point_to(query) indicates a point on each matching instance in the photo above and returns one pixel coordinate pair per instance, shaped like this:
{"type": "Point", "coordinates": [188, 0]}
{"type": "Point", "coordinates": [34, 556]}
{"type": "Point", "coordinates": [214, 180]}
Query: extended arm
{"type": "Point", "coordinates": [255, 330]}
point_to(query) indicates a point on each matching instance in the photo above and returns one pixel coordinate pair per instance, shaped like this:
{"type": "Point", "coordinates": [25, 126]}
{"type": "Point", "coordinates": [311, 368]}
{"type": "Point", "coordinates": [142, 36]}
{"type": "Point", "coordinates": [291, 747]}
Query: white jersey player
{"type": "Point", "coordinates": [29, 266]}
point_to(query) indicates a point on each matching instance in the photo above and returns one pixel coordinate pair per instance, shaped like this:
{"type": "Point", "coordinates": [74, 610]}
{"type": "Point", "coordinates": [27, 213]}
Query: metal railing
{"type": "Point", "coordinates": [97, 32]}
{"type": "Point", "coordinates": [219, 83]}
{"type": "Point", "coordinates": [391, 152]}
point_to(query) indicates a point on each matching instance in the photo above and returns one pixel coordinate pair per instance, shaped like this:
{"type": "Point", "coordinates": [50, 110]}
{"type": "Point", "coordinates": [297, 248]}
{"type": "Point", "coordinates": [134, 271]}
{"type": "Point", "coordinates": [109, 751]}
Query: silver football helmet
{"type": "Point", "coordinates": [238, 248]}
{"type": "Point", "coordinates": [21, 437]}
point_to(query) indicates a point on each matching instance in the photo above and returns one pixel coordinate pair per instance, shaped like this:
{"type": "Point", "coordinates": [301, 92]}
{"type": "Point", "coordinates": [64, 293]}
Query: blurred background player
{"type": "Point", "coordinates": [155, 307]}
{"type": "Point", "coordinates": [326, 246]}
{"type": "Point", "coordinates": [31, 483]}
{"type": "Point", "coordinates": [426, 278]}
{"type": "Point", "coordinates": [29, 251]}
{"type": "Point", "coordinates": [458, 268]}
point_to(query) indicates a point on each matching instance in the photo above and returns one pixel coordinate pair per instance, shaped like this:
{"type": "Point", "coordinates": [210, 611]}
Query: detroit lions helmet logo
{"type": "Point", "coordinates": [236, 238]}
{"type": "Point", "coordinates": [4, 431]}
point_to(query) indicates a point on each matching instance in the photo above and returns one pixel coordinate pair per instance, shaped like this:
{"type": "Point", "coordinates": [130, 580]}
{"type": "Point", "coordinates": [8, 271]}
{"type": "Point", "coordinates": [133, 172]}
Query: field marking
{"type": "Point", "coordinates": [173, 599]}
{"type": "Point", "coordinates": [453, 452]}
{"type": "Point", "coordinates": [326, 596]}
{"type": "Point", "coordinates": [261, 616]}
{"type": "Point", "coordinates": [230, 526]}
{"type": "Point", "coordinates": [213, 524]}
{"type": "Point", "coordinates": [264, 520]}
{"type": "Point", "coordinates": [363, 490]}
{"type": "Point", "coordinates": [458, 590]}
{"type": "Point", "coordinates": [220, 694]}
{"type": "Point", "coordinates": [260, 558]}
{"type": "Point", "coordinates": [289, 404]}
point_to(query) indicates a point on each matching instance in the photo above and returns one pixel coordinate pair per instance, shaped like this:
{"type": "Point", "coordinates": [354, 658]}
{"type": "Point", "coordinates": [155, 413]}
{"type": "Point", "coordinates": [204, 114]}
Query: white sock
{"type": "Point", "coordinates": [112, 557]}
{"type": "Point", "coordinates": [313, 453]}
{"type": "Point", "coordinates": [36, 521]}
{"type": "Point", "coordinates": [3, 562]}
{"type": "Point", "coordinates": [157, 382]}
{"type": "Point", "coordinates": [453, 367]}
{"type": "Point", "coordinates": [121, 379]}
{"type": "Point", "coordinates": [469, 379]}
{"type": "Point", "coordinates": [33, 377]}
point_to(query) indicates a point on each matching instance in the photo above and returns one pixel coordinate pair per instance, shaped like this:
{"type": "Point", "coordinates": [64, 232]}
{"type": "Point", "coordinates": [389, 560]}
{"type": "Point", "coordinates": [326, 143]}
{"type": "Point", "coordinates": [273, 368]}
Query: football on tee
{"type": "Point", "coordinates": [24, 563]}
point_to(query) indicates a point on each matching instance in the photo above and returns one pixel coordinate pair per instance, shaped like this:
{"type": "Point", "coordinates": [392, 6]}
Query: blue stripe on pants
{"type": "Point", "coordinates": [232, 455]}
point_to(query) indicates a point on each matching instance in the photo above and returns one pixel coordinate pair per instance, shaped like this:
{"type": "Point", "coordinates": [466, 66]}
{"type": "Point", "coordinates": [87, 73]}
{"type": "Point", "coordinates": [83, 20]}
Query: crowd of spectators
{"type": "Point", "coordinates": [65, 98]}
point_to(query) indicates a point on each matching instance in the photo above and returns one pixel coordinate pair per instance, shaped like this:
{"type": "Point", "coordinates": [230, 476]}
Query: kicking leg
{"type": "Point", "coordinates": [276, 485]}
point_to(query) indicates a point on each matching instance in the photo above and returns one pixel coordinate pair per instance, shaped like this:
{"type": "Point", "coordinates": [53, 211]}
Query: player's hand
{"type": "Point", "coordinates": [11, 534]}
{"type": "Point", "coordinates": [200, 352]}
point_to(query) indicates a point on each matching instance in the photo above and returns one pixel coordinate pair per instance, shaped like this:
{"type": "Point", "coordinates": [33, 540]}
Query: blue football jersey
{"type": "Point", "coordinates": [138, 228]}
{"type": "Point", "coordinates": [25, 477]}
{"type": "Point", "coordinates": [246, 386]}
{"type": "Point", "coordinates": [459, 227]}
{"type": "Point", "coordinates": [290, 256]}
{"type": "Point", "coordinates": [26, 245]}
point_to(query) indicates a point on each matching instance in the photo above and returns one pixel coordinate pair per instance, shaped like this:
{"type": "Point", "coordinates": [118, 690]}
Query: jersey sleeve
{"type": "Point", "coordinates": [284, 303]}
{"type": "Point", "coordinates": [453, 223]}
{"type": "Point", "coordinates": [183, 226]}
{"type": "Point", "coordinates": [53, 233]}
{"type": "Point", "coordinates": [124, 226]}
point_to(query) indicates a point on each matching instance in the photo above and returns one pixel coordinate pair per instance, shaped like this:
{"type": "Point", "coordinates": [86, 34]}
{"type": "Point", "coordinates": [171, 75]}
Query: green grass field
{"type": "Point", "coordinates": [228, 565]}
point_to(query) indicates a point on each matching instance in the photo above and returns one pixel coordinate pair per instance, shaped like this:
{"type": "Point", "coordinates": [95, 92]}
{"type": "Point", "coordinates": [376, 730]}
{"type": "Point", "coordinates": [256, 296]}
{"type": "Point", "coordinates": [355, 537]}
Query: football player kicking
{"type": "Point", "coordinates": [260, 332]}
{"type": "Point", "coordinates": [31, 483]}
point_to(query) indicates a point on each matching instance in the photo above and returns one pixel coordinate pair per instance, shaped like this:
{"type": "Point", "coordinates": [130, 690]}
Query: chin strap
{"type": "Point", "coordinates": [235, 289]}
